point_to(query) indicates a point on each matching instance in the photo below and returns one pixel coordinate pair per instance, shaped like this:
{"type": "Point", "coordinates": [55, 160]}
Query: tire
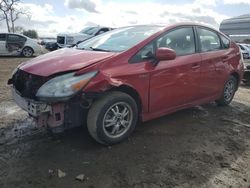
{"type": "Point", "coordinates": [229, 90]}
{"type": "Point", "coordinates": [27, 52]}
{"type": "Point", "coordinates": [112, 118]}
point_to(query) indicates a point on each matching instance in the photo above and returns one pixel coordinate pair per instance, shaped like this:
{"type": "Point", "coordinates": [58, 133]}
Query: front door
{"type": "Point", "coordinates": [177, 82]}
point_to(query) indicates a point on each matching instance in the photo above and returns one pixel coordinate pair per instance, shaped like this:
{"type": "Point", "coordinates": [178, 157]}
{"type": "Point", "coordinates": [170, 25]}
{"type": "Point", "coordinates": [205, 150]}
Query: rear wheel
{"type": "Point", "coordinates": [27, 52]}
{"type": "Point", "coordinates": [228, 91]}
{"type": "Point", "coordinates": [112, 118]}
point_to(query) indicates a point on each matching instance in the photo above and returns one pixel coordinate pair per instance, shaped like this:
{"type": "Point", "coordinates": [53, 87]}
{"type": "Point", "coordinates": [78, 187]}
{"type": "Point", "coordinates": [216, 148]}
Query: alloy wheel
{"type": "Point", "coordinates": [229, 90]}
{"type": "Point", "coordinates": [117, 120]}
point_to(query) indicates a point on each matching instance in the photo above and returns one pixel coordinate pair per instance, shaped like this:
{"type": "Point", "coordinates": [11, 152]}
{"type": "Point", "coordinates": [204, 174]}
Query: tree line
{"type": "Point", "coordinates": [10, 12]}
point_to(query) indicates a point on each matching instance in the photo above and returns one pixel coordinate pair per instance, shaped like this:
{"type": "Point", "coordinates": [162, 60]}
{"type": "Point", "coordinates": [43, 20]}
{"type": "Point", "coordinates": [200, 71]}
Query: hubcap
{"type": "Point", "coordinates": [117, 120]}
{"type": "Point", "coordinates": [27, 52]}
{"type": "Point", "coordinates": [229, 90]}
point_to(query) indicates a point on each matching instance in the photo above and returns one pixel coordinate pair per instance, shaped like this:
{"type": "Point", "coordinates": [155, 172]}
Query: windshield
{"type": "Point", "coordinates": [119, 40]}
{"type": "Point", "coordinates": [90, 30]}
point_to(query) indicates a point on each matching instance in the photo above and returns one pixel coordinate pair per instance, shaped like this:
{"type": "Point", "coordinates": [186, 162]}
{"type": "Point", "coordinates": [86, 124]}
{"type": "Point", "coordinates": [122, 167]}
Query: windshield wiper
{"type": "Point", "coordinates": [80, 48]}
{"type": "Point", "coordinates": [99, 49]}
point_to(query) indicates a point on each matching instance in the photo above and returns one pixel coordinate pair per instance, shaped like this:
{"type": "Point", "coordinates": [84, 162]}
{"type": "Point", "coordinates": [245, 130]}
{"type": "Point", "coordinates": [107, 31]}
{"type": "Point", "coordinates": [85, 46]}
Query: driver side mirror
{"type": "Point", "coordinates": [165, 54]}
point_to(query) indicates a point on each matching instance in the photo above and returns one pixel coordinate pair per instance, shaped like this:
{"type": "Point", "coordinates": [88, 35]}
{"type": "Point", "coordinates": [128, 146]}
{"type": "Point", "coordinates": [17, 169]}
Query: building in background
{"type": "Point", "coordinates": [238, 28]}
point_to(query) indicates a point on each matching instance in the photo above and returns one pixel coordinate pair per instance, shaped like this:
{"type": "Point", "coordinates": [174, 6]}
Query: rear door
{"type": "Point", "coordinates": [15, 43]}
{"type": "Point", "coordinates": [214, 62]}
{"type": "Point", "coordinates": [3, 49]}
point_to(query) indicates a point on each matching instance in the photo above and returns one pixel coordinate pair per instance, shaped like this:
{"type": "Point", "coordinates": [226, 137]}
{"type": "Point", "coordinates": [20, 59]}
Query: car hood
{"type": "Point", "coordinates": [63, 60]}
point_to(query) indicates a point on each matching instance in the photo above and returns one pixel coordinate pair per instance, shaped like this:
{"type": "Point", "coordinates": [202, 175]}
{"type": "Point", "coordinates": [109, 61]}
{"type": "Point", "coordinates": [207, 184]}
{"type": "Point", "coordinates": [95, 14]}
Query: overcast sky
{"type": "Point", "coordinates": [50, 17]}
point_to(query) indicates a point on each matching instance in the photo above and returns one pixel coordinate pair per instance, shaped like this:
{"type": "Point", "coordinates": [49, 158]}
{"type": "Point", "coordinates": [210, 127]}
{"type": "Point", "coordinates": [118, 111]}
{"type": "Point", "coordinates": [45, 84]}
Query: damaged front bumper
{"type": "Point", "coordinates": [34, 108]}
{"type": "Point", "coordinates": [46, 115]}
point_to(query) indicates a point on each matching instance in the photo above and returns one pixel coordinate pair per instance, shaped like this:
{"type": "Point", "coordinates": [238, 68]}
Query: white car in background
{"type": "Point", "coordinates": [245, 50]}
{"type": "Point", "coordinates": [71, 39]}
{"type": "Point", "coordinates": [12, 44]}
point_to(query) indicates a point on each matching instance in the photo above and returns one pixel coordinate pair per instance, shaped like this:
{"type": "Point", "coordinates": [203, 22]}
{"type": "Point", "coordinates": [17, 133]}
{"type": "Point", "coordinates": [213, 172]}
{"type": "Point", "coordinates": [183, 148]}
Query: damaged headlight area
{"type": "Point", "coordinates": [64, 87]}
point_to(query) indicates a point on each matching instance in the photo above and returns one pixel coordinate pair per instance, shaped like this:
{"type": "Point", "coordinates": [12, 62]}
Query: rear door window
{"type": "Point", "coordinates": [209, 40]}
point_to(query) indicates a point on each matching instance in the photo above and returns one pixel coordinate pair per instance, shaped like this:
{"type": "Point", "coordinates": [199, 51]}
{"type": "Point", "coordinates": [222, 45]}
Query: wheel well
{"type": "Point", "coordinates": [132, 92]}
{"type": "Point", "coordinates": [236, 75]}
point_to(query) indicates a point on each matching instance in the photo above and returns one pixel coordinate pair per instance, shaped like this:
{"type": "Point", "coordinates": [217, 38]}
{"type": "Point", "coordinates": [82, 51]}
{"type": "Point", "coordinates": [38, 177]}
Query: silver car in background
{"type": "Point", "coordinates": [245, 50]}
{"type": "Point", "coordinates": [12, 44]}
{"type": "Point", "coordinates": [71, 39]}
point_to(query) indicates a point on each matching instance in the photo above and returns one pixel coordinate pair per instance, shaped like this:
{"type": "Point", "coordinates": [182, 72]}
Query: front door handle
{"type": "Point", "coordinates": [225, 58]}
{"type": "Point", "coordinates": [195, 66]}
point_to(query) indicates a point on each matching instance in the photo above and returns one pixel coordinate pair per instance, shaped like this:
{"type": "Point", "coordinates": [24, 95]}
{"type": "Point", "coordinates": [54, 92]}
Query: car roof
{"type": "Point", "coordinates": [179, 24]}
{"type": "Point", "coordinates": [172, 25]}
{"type": "Point", "coordinates": [15, 34]}
{"type": "Point", "coordinates": [97, 26]}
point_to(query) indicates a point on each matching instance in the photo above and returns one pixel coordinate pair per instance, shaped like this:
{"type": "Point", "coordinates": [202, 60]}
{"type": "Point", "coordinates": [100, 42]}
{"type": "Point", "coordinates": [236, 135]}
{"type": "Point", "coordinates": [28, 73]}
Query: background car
{"type": "Point", "coordinates": [49, 43]}
{"type": "Point", "coordinates": [246, 77]}
{"type": "Point", "coordinates": [71, 39]}
{"type": "Point", "coordinates": [51, 46]}
{"type": "Point", "coordinates": [245, 50]}
{"type": "Point", "coordinates": [44, 41]}
{"type": "Point", "coordinates": [16, 44]}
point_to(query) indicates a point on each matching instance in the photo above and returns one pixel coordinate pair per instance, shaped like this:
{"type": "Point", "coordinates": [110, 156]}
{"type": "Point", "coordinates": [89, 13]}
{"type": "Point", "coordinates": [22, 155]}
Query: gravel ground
{"type": "Point", "coordinates": [205, 146]}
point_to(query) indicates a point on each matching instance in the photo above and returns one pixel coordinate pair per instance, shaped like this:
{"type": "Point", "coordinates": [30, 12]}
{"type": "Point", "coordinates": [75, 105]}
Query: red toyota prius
{"type": "Point", "coordinates": [114, 80]}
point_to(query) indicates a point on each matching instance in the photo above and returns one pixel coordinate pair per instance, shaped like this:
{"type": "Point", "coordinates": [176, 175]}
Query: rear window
{"type": "Point", "coordinates": [90, 30]}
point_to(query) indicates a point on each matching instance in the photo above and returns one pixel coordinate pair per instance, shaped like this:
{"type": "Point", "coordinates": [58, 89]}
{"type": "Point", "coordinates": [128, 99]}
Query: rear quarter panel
{"type": "Point", "coordinates": [236, 61]}
{"type": "Point", "coordinates": [34, 45]}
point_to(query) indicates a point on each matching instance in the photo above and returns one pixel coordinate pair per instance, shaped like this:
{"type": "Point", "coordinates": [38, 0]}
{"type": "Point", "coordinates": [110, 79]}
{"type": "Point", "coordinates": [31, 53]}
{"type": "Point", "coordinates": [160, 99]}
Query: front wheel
{"type": "Point", "coordinates": [112, 118]}
{"type": "Point", "coordinates": [229, 90]}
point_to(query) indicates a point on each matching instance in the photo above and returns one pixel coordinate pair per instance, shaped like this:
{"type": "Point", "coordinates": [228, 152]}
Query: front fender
{"type": "Point", "coordinates": [103, 83]}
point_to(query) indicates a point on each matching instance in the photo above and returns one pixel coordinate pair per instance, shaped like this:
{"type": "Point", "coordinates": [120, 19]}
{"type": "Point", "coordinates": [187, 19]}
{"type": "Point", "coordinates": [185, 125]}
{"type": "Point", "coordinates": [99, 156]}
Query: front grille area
{"type": "Point", "coordinates": [60, 40]}
{"type": "Point", "coordinates": [27, 84]}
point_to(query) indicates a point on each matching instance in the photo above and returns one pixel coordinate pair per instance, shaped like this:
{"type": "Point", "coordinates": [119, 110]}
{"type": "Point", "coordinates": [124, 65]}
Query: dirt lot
{"type": "Point", "coordinates": [206, 146]}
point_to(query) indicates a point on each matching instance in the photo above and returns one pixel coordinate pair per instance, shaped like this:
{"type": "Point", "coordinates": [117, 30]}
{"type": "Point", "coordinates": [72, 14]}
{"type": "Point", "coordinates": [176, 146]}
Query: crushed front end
{"type": "Point", "coordinates": [55, 102]}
